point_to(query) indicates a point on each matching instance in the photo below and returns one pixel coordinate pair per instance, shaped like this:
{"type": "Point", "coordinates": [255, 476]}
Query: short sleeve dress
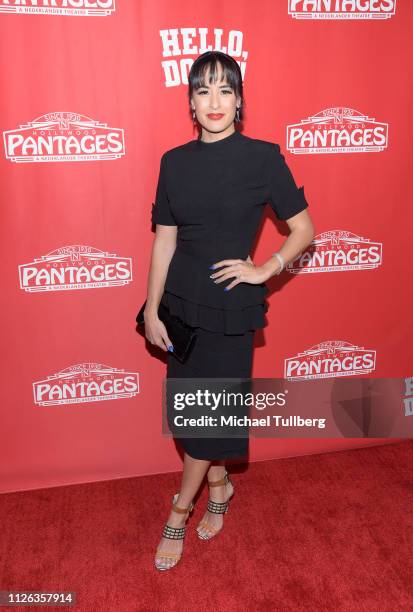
{"type": "Point", "coordinates": [215, 193]}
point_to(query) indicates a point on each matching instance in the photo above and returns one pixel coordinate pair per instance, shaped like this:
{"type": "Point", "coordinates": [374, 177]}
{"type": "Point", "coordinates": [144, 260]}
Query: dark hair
{"type": "Point", "coordinates": [230, 70]}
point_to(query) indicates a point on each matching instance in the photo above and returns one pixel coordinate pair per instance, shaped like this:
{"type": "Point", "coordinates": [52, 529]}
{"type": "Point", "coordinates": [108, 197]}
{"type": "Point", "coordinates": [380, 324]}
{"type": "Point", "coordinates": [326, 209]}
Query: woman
{"type": "Point", "coordinates": [210, 199]}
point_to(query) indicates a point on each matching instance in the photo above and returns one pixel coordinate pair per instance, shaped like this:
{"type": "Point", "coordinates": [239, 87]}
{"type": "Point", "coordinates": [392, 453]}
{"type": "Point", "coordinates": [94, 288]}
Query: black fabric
{"type": "Point", "coordinates": [179, 333]}
{"type": "Point", "coordinates": [215, 193]}
{"type": "Point", "coordinates": [214, 355]}
{"type": "Point", "coordinates": [216, 319]}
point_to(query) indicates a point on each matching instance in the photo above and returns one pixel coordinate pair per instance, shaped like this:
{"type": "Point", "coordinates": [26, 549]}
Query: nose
{"type": "Point", "coordinates": [214, 100]}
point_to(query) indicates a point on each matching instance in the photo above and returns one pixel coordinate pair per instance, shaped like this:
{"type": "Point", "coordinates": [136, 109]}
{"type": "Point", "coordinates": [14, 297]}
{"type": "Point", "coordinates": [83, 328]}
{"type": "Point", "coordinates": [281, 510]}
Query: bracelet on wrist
{"type": "Point", "coordinates": [281, 262]}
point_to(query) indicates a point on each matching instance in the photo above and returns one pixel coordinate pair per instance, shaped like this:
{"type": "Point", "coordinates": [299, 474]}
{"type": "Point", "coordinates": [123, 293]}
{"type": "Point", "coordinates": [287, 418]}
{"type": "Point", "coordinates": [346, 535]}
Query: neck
{"type": "Point", "coordinates": [213, 136]}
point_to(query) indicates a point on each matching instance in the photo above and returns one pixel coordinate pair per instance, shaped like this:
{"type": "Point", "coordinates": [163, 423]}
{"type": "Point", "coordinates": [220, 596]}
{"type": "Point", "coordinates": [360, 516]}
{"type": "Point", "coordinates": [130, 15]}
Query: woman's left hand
{"type": "Point", "coordinates": [245, 271]}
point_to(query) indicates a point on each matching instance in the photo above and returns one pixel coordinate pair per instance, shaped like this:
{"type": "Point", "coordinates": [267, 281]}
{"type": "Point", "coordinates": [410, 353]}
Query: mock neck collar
{"type": "Point", "coordinates": [218, 144]}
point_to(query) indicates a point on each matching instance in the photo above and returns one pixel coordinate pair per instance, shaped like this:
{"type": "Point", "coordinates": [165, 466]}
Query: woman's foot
{"type": "Point", "coordinates": [212, 522]}
{"type": "Point", "coordinates": [169, 550]}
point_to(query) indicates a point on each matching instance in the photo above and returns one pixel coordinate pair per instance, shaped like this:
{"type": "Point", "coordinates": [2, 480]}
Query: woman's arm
{"type": "Point", "coordinates": [301, 234]}
{"type": "Point", "coordinates": [163, 248]}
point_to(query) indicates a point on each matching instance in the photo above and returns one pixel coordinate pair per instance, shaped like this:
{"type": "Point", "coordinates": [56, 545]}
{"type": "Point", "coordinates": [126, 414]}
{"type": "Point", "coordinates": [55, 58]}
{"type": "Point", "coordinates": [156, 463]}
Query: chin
{"type": "Point", "coordinates": [218, 125]}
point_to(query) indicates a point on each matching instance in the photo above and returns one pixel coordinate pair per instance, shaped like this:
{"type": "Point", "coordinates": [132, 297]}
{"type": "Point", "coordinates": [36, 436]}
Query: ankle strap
{"type": "Point", "coordinates": [178, 509]}
{"type": "Point", "coordinates": [219, 483]}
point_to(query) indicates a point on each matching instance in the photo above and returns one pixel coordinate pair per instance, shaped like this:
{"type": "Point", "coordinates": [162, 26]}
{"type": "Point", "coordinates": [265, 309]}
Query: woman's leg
{"type": "Point", "coordinates": [193, 473]}
{"type": "Point", "coordinates": [216, 470]}
{"type": "Point", "coordinates": [217, 494]}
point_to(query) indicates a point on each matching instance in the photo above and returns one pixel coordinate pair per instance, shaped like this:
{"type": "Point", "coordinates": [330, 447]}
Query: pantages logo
{"type": "Point", "coordinates": [337, 130]}
{"type": "Point", "coordinates": [337, 251]}
{"type": "Point", "coordinates": [190, 42]}
{"type": "Point", "coordinates": [75, 267]}
{"type": "Point", "coordinates": [76, 8]}
{"type": "Point", "coordinates": [85, 382]}
{"type": "Point", "coordinates": [341, 9]}
{"type": "Point", "coordinates": [408, 399]}
{"type": "Point", "coordinates": [330, 359]}
{"type": "Point", "coordinates": [63, 136]}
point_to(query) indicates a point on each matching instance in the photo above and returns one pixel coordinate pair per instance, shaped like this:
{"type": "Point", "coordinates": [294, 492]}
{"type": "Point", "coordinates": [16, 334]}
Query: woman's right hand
{"type": "Point", "coordinates": [155, 331]}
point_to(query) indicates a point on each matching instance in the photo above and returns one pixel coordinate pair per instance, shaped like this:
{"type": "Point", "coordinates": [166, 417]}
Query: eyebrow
{"type": "Point", "coordinates": [207, 86]}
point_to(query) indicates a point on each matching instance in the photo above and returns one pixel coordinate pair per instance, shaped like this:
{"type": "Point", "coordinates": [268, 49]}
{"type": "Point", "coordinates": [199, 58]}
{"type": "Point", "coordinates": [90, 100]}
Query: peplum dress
{"type": "Point", "coordinates": [215, 193]}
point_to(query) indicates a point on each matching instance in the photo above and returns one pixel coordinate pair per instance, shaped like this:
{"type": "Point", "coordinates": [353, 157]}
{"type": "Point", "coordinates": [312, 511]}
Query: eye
{"type": "Point", "coordinates": [224, 91]}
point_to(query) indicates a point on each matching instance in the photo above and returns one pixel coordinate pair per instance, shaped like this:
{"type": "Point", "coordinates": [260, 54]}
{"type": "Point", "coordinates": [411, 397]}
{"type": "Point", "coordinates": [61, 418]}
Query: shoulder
{"type": "Point", "coordinates": [178, 151]}
{"type": "Point", "coordinates": [264, 149]}
{"type": "Point", "coordinates": [266, 152]}
{"type": "Point", "coordinates": [265, 146]}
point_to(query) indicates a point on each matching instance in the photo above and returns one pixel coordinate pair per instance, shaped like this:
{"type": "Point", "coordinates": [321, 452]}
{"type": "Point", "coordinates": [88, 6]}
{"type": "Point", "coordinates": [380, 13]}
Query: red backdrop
{"type": "Point", "coordinates": [91, 98]}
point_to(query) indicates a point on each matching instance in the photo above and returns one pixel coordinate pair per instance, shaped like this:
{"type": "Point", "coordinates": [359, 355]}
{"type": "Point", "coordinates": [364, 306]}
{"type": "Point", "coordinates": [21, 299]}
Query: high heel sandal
{"type": "Point", "coordinates": [216, 507]}
{"type": "Point", "coordinates": [173, 533]}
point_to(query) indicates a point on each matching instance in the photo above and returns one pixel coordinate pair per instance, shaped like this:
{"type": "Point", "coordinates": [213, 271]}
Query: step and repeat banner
{"type": "Point", "coordinates": [93, 92]}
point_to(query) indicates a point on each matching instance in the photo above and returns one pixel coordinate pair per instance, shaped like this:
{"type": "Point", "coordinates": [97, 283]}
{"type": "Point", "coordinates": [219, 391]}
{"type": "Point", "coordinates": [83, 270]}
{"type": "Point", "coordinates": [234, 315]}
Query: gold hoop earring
{"type": "Point", "coordinates": [237, 115]}
{"type": "Point", "coordinates": [193, 116]}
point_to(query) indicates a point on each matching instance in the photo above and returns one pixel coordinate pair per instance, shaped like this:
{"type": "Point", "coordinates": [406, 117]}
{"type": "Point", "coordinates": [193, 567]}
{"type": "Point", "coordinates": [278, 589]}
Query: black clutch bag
{"type": "Point", "coordinates": [181, 335]}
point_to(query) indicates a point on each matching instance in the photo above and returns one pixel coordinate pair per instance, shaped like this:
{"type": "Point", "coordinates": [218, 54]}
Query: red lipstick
{"type": "Point", "coordinates": [215, 116]}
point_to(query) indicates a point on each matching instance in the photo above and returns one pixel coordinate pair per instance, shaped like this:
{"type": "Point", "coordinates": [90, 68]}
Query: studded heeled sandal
{"type": "Point", "coordinates": [216, 507]}
{"type": "Point", "coordinates": [173, 533]}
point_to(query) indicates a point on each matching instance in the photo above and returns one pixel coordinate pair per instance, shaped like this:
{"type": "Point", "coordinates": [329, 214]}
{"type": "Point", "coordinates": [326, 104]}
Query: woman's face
{"type": "Point", "coordinates": [215, 104]}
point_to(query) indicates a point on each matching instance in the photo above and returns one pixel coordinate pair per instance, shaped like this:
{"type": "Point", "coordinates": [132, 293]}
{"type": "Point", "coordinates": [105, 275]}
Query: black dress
{"type": "Point", "coordinates": [215, 193]}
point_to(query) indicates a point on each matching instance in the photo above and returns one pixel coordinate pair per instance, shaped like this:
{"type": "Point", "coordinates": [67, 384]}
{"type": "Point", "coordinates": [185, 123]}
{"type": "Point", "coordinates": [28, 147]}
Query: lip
{"type": "Point", "coordinates": [215, 116]}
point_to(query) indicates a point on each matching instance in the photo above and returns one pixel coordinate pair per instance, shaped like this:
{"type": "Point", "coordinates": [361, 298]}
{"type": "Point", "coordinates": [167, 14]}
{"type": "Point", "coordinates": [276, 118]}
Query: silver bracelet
{"type": "Point", "coordinates": [281, 260]}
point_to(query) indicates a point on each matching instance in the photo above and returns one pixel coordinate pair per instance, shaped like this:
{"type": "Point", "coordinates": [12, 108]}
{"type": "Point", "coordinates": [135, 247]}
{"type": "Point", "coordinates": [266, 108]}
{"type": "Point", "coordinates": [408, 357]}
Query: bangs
{"type": "Point", "coordinates": [212, 64]}
{"type": "Point", "coordinates": [231, 73]}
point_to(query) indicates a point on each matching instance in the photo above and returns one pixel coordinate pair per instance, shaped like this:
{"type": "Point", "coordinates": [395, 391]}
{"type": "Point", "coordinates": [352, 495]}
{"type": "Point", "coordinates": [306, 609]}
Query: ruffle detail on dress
{"type": "Point", "coordinates": [216, 319]}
